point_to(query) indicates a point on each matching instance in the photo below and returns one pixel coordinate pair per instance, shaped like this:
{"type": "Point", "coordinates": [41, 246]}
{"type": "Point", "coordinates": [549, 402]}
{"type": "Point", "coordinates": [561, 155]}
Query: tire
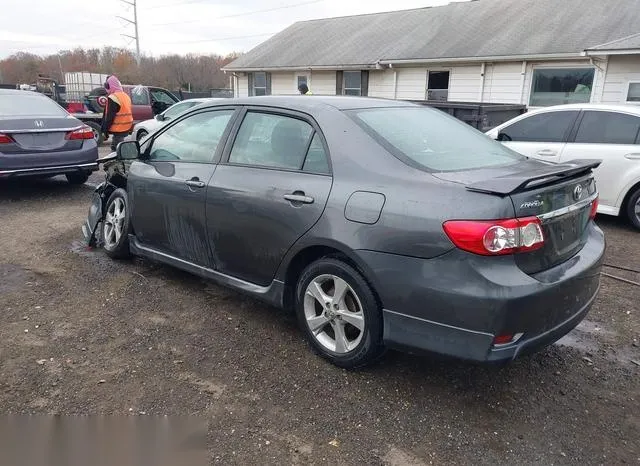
{"type": "Point", "coordinates": [141, 134]}
{"type": "Point", "coordinates": [116, 226]}
{"type": "Point", "coordinates": [97, 131]}
{"type": "Point", "coordinates": [363, 345]}
{"type": "Point", "coordinates": [79, 177]}
{"type": "Point", "coordinates": [633, 208]}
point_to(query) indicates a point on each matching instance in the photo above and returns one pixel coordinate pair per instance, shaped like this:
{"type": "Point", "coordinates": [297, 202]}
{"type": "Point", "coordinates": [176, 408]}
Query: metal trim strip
{"type": "Point", "coordinates": [565, 210]}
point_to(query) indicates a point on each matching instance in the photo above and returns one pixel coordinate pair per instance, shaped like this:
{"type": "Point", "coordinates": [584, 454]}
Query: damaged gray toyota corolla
{"type": "Point", "coordinates": [382, 223]}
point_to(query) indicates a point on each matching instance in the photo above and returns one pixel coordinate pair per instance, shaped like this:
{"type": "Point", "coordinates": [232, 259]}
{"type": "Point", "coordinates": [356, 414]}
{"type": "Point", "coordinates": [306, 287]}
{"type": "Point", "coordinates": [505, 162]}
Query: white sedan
{"type": "Point", "coordinates": [142, 129]}
{"type": "Point", "coordinates": [586, 131]}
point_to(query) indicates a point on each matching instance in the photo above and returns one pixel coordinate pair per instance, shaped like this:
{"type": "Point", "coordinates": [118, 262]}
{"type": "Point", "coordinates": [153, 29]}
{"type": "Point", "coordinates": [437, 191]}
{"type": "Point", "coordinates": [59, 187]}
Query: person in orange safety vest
{"type": "Point", "coordinates": [117, 119]}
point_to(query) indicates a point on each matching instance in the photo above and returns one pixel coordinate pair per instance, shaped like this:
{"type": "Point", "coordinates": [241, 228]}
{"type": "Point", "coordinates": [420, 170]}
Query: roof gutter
{"type": "Point", "coordinates": [370, 66]}
{"type": "Point", "coordinates": [600, 52]}
{"type": "Point", "coordinates": [417, 61]}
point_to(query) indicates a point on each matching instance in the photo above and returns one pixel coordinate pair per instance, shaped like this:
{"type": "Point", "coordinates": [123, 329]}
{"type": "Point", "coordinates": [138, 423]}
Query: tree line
{"type": "Point", "coordinates": [195, 72]}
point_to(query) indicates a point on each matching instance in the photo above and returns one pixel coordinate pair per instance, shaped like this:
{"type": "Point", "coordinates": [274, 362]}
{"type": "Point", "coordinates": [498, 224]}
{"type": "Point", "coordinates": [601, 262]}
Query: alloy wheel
{"type": "Point", "coordinates": [334, 314]}
{"type": "Point", "coordinates": [114, 222]}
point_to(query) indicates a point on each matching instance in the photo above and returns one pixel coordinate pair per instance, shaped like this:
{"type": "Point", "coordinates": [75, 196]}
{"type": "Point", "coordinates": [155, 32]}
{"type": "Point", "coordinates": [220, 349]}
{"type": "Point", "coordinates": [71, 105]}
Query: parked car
{"type": "Point", "coordinates": [40, 138]}
{"type": "Point", "coordinates": [587, 131]}
{"type": "Point", "coordinates": [382, 223]}
{"type": "Point", "coordinates": [142, 129]}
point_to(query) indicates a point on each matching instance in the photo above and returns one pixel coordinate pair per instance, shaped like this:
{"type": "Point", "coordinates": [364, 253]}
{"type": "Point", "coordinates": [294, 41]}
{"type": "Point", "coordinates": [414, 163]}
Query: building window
{"type": "Point", "coordinates": [259, 83]}
{"type": "Point", "coordinates": [302, 79]}
{"type": "Point", "coordinates": [633, 93]}
{"type": "Point", "coordinates": [556, 86]}
{"type": "Point", "coordinates": [352, 83]}
{"type": "Point", "coordinates": [438, 85]}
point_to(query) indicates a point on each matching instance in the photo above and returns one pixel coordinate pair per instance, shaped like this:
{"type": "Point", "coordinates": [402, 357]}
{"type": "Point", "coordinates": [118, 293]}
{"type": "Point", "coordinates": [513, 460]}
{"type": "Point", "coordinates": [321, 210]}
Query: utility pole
{"type": "Point", "coordinates": [136, 37]}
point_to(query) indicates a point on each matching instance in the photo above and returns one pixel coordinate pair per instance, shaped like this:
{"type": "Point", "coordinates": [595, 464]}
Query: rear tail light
{"type": "Point", "coordinates": [83, 133]}
{"type": "Point", "coordinates": [5, 139]}
{"type": "Point", "coordinates": [507, 339]}
{"type": "Point", "coordinates": [499, 237]}
{"type": "Point", "coordinates": [594, 208]}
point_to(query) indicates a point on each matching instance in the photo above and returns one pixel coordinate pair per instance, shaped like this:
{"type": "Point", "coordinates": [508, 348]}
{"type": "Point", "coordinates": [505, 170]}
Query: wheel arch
{"type": "Point", "coordinates": [297, 260]}
{"type": "Point", "coordinates": [627, 195]}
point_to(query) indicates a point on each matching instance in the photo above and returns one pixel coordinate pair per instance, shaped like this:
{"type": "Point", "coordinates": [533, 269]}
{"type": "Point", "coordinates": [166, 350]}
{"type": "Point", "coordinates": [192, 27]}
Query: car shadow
{"type": "Point", "coordinates": [621, 222]}
{"type": "Point", "coordinates": [34, 188]}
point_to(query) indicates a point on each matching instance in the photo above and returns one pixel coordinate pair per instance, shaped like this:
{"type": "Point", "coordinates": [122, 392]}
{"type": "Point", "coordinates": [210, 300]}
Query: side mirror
{"type": "Point", "coordinates": [160, 117]}
{"type": "Point", "coordinates": [128, 150]}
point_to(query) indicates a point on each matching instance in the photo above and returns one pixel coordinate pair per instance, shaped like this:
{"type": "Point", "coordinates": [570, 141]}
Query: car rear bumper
{"type": "Point", "coordinates": [50, 163]}
{"type": "Point", "coordinates": [456, 304]}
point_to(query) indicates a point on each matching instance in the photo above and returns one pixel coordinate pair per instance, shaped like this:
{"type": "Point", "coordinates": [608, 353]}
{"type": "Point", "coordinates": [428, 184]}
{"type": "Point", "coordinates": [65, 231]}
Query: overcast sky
{"type": "Point", "coordinates": [167, 26]}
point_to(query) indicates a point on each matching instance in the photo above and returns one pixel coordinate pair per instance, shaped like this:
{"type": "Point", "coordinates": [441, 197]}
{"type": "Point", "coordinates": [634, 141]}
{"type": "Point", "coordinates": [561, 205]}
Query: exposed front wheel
{"type": "Point", "coordinates": [80, 177]}
{"type": "Point", "coordinates": [115, 226]}
{"type": "Point", "coordinates": [339, 313]}
{"type": "Point", "coordinates": [633, 208]}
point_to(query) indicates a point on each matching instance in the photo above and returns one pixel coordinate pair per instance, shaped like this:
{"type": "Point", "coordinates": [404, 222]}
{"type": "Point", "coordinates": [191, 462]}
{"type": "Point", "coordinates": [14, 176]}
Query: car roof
{"type": "Point", "coordinates": [19, 92]}
{"type": "Point", "coordinates": [308, 103]}
{"type": "Point", "coordinates": [626, 108]}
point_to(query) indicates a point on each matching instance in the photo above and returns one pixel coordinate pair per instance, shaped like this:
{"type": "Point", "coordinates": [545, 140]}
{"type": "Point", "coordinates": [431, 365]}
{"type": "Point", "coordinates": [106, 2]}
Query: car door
{"type": "Point", "coordinates": [613, 138]}
{"type": "Point", "coordinates": [140, 103]}
{"type": "Point", "coordinates": [540, 135]}
{"type": "Point", "coordinates": [270, 189]}
{"type": "Point", "coordinates": [161, 100]}
{"type": "Point", "coordinates": [167, 188]}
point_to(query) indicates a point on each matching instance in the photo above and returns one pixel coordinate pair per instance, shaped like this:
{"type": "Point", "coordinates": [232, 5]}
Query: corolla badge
{"type": "Point", "coordinates": [577, 192]}
{"type": "Point", "coordinates": [530, 204]}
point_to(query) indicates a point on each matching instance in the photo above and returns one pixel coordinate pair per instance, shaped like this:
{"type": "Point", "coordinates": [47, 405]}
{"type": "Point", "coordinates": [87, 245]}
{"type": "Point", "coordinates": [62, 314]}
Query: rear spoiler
{"type": "Point", "coordinates": [509, 184]}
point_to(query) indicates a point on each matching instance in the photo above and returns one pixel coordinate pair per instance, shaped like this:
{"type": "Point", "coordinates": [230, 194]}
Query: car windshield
{"type": "Point", "coordinates": [432, 140]}
{"type": "Point", "coordinates": [17, 105]}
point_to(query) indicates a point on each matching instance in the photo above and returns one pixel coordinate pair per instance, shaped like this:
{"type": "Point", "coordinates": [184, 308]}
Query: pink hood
{"type": "Point", "coordinates": [114, 84]}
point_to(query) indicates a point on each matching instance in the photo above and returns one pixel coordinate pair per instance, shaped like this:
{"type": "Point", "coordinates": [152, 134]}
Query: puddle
{"type": "Point", "coordinates": [592, 338]}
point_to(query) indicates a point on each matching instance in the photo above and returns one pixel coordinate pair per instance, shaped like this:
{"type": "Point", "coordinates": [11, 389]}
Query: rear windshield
{"type": "Point", "coordinates": [29, 105]}
{"type": "Point", "coordinates": [432, 140]}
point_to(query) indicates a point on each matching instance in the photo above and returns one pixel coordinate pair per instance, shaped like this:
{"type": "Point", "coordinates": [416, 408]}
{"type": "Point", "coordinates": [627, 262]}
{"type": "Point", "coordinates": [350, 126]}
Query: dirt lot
{"type": "Point", "coordinates": [81, 334]}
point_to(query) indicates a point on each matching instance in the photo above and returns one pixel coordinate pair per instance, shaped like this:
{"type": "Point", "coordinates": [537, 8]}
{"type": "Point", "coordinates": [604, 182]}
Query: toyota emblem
{"type": "Point", "coordinates": [577, 192]}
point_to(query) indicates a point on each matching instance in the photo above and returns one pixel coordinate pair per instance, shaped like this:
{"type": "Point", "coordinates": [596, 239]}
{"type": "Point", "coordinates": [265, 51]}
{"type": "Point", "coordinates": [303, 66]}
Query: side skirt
{"type": "Point", "coordinates": [272, 294]}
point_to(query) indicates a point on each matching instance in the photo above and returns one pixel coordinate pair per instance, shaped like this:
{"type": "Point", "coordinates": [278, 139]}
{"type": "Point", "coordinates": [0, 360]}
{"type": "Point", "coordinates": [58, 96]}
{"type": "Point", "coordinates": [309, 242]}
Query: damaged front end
{"type": "Point", "coordinates": [91, 227]}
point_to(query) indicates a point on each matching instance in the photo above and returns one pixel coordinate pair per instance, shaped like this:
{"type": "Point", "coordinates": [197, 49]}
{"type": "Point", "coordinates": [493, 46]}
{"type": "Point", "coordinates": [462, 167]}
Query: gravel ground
{"type": "Point", "coordinates": [81, 334]}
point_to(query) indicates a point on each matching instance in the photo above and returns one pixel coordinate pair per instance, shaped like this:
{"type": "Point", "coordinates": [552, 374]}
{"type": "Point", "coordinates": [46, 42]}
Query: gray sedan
{"type": "Point", "coordinates": [40, 138]}
{"type": "Point", "coordinates": [382, 223]}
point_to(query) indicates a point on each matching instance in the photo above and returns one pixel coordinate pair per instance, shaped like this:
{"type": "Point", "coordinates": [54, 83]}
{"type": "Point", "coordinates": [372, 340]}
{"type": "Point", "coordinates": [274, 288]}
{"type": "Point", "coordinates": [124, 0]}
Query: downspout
{"type": "Point", "coordinates": [395, 82]}
{"type": "Point", "coordinates": [482, 71]}
{"type": "Point", "coordinates": [523, 75]}
{"type": "Point", "coordinates": [603, 73]}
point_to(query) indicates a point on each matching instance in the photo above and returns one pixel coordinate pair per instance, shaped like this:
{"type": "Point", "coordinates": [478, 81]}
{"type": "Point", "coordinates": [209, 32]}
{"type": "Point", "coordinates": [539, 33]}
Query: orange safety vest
{"type": "Point", "coordinates": [123, 121]}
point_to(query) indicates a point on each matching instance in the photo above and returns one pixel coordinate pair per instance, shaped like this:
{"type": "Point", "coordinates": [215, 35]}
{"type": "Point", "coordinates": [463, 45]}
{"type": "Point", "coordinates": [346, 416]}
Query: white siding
{"type": "Point", "coordinates": [620, 71]}
{"type": "Point", "coordinates": [504, 83]}
{"type": "Point", "coordinates": [283, 83]}
{"type": "Point", "coordinates": [381, 84]}
{"type": "Point", "coordinates": [243, 86]}
{"type": "Point", "coordinates": [464, 83]}
{"type": "Point", "coordinates": [412, 83]}
{"type": "Point", "coordinates": [323, 82]}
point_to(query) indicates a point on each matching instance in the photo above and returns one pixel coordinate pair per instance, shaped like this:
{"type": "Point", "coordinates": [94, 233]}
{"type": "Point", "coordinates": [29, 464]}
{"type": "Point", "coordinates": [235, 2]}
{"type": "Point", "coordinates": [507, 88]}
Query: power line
{"type": "Point", "coordinates": [188, 2]}
{"type": "Point", "coordinates": [219, 39]}
{"type": "Point", "coordinates": [247, 13]}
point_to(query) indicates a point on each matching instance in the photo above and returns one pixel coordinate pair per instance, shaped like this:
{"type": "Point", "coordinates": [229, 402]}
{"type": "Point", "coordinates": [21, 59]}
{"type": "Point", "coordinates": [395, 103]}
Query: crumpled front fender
{"type": "Point", "coordinates": [96, 213]}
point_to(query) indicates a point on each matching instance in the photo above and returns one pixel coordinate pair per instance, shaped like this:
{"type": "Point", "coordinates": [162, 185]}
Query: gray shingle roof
{"type": "Point", "coordinates": [626, 43]}
{"type": "Point", "coordinates": [481, 28]}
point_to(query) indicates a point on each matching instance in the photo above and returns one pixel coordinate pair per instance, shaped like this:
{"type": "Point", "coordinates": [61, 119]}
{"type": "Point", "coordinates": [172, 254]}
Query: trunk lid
{"type": "Point", "coordinates": [39, 134]}
{"type": "Point", "coordinates": [560, 195]}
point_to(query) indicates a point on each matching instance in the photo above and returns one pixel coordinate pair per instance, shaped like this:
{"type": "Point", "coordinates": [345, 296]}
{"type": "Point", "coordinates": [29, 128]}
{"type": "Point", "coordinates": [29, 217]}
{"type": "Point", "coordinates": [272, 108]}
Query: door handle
{"type": "Point", "coordinates": [195, 183]}
{"type": "Point", "coordinates": [298, 198]}
{"type": "Point", "coordinates": [634, 156]}
{"type": "Point", "coordinates": [547, 152]}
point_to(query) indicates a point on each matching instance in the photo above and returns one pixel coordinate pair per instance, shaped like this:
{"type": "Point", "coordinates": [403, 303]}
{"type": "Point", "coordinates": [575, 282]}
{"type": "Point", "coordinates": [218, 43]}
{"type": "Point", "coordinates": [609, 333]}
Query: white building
{"type": "Point", "coordinates": [533, 52]}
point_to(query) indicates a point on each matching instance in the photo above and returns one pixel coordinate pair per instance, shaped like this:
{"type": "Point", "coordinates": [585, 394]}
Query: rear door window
{"type": "Point", "coordinates": [432, 140]}
{"type": "Point", "coordinates": [608, 128]}
{"type": "Point", "coordinates": [541, 127]}
{"type": "Point", "coordinates": [269, 140]}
